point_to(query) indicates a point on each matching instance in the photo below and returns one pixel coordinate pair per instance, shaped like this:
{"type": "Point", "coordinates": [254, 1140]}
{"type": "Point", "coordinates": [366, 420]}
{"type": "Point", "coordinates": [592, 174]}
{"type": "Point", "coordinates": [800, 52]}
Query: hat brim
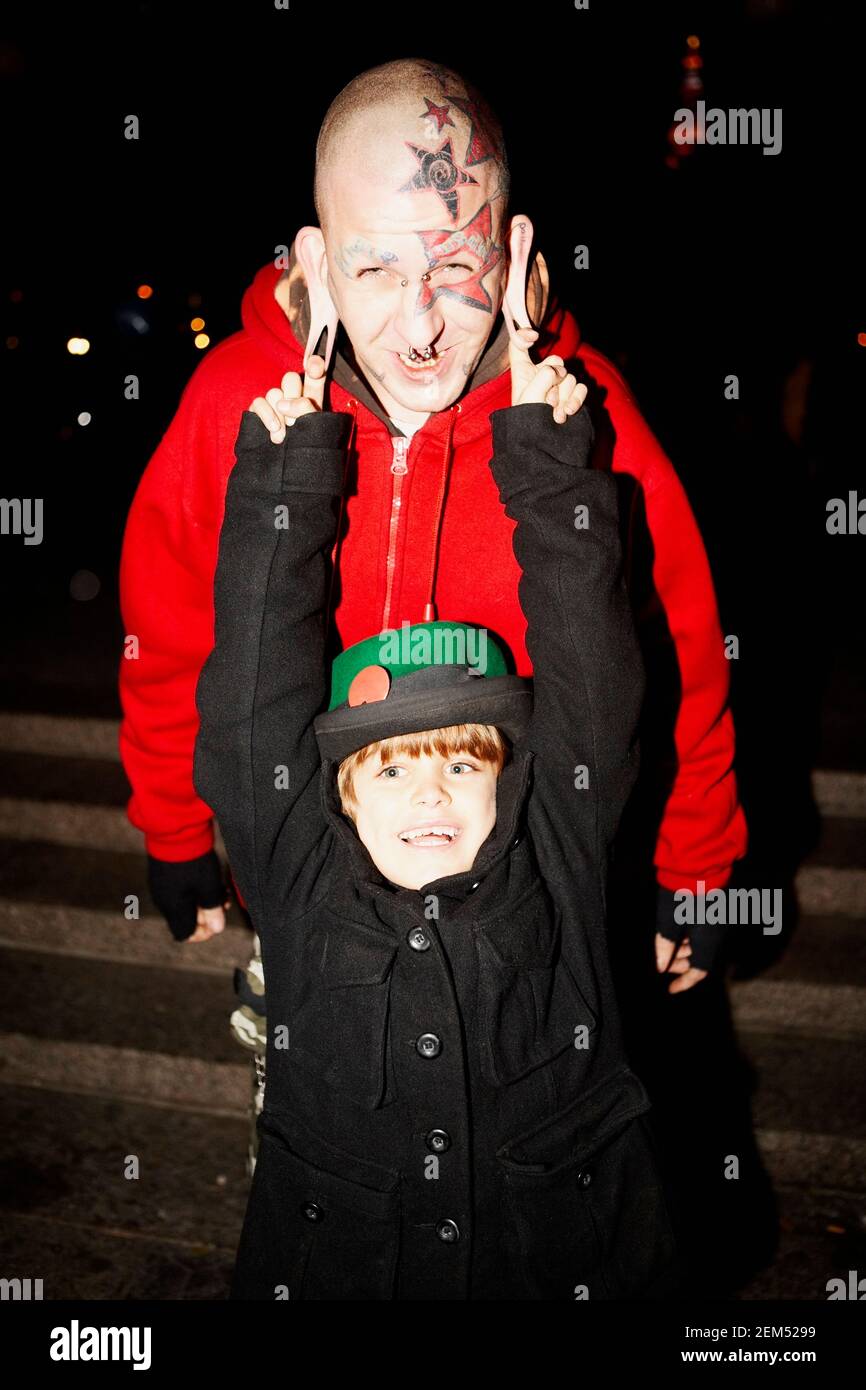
{"type": "Point", "coordinates": [505, 701]}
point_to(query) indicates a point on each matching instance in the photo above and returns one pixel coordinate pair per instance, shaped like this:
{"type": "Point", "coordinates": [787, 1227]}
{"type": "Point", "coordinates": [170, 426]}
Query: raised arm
{"type": "Point", "coordinates": [587, 669]}
{"type": "Point", "coordinates": [256, 757]}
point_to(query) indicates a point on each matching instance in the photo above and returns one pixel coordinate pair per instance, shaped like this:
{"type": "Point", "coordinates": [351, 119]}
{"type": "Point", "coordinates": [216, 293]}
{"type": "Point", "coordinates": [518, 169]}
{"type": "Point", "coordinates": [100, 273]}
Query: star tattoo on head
{"type": "Point", "coordinates": [439, 173]}
{"type": "Point", "coordinates": [439, 114]}
{"type": "Point", "coordinates": [442, 246]}
{"type": "Point", "coordinates": [479, 148]}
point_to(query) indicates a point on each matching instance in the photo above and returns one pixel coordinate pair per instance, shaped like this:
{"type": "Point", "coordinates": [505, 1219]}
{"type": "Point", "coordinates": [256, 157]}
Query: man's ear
{"type": "Point", "coordinates": [520, 234]}
{"type": "Point", "coordinates": [310, 251]}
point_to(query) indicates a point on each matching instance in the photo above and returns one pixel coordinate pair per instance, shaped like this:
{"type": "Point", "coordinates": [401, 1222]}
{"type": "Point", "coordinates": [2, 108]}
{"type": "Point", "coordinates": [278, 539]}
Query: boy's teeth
{"type": "Point", "coordinates": [425, 830]}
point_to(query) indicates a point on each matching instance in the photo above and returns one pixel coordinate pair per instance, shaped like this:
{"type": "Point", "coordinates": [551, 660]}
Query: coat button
{"type": "Point", "coordinates": [584, 1177]}
{"type": "Point", "coordinates": [438, 1141]}
{"type": "Point", "coordinates": [473, 886]}
{"type": "Point", "coordinates": [428, 1045]}
{"type": "Point", "coordinates": [448, 1231]}
{"type": "Point", "coordinates": [418, 939]}
{"type": "Point", "coordinates": [312, 1211]}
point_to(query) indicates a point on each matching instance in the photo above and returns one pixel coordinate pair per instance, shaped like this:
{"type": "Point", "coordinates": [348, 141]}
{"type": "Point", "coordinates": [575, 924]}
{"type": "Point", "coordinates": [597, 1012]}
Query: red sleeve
{"type": "Point", "coordinates": [702, 829]}
{"type": "Point", "coordinates": [166, 597]}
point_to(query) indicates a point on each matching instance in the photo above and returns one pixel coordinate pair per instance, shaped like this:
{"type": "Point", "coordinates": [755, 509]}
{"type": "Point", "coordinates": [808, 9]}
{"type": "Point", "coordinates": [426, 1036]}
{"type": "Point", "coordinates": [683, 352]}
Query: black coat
{"type": "Point", "coordinates": [449, 1113]}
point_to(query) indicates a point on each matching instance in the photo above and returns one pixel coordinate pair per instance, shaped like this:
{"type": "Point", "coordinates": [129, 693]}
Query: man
{"type": "Point", "coordinates": [412, 253]}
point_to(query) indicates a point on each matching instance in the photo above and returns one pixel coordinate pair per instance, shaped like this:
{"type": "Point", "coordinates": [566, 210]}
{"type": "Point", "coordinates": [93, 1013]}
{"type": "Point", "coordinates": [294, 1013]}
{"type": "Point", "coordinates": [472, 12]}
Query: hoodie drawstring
{"type": "Point", "coordinates": [430, 606]}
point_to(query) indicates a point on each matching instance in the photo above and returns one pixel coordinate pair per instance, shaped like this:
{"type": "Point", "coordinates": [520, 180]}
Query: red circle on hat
{"type": "Point", "coordinates": [372, 683]}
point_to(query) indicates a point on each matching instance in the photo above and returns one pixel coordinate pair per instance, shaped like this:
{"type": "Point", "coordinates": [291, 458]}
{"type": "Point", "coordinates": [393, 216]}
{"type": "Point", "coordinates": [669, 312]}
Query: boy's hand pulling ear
{"type": "Point", "coordinates": [535, 383]}
{"type": "Point", "coordinates": [284, 403]}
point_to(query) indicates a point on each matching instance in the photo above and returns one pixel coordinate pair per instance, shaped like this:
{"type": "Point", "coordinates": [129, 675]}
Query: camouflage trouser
{"type": "Point", "coordinates": [249, 1026]}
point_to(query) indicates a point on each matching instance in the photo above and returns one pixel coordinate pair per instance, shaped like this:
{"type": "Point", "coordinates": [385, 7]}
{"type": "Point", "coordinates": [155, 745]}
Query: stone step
{"type": "Point", "coordinates": [783, 1007]}
{"type": "Point", "coordinates": [71, 931]}
{"type": "Point", "coordinates": [89, 1231]}
{"type": "Point", "coordinates": [137, 1008]}
{"type": "Point", "coordinates": [189, 1084]}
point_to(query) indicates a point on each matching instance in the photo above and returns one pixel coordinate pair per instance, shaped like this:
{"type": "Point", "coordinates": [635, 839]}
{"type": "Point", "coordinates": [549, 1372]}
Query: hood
{"type": "Point", "coordinates": [478, 882]}
{"type": "Point", "coordinates": [283, 338]}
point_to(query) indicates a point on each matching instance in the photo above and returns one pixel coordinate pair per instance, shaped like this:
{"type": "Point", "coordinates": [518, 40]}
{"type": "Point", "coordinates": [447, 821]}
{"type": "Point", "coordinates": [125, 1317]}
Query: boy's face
{"type": "Point", "coordinates": [401, 804]}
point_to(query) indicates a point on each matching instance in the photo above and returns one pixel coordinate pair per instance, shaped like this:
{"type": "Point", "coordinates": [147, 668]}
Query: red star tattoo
{"type": "Point", "coordinates": [437, 113]}
{"type": "Point", "coordinates": [439, 173]}
{"type": "Point", "coordinates": [479, 148]}
{"type": "Point", "coordinates": [442, 246]}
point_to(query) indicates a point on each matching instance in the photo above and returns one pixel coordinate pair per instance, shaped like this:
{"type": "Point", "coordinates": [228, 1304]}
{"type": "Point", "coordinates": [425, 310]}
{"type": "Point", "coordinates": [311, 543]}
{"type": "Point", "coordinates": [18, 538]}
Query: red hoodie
{"type": "Point", "coordinates": [418, 521]}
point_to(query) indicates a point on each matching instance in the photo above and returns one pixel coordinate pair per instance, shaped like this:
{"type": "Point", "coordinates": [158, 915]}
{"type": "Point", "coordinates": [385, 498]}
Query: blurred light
{"type": "Point", "coordinates": [16, 296]}
{"type": "Point", "coordinates": [78, 346]}
{"type": "Point", "coordinates": [201, 340]}
{"type": "Point", "coordinates": [694, 60]}
{"type": "Point", "coordinates": [194, 301]}
{"type": "Point", "coordinates": [861, 339]}
{"type": "Point", "coordinates": [144, 291]}
{"type": "Point", "coordinates": [84, 585]}
{"type": "Point", "coordinates": [128, 317]}
{"type": "Point", "coordinates": [84, 418]}
{"type": "Point", "coordinates": [65, 432]}
{"type": "Point", "coordinates": [196, 325]}
{"type": "Point", "coordinates": [693, 41]}
{"type": "Point", "coordinates": [12, 342]}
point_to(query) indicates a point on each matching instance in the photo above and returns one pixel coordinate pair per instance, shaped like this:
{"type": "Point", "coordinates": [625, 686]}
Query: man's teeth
{"type": "Point", "coordinates": [419, 362]}
{"type": "Point", "coordinates": [421, 831]}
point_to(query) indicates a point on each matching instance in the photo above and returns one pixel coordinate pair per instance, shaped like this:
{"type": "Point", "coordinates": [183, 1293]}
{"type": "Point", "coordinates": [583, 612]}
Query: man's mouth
{"type": "Point", "coordinates": [432, 835]}
{"type": "Point", "coordinates": [423, 369]}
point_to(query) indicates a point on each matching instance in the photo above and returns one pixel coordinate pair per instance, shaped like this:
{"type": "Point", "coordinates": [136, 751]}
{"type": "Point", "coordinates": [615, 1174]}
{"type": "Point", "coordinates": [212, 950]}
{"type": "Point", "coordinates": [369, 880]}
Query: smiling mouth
{"type": "Point", "coordinates": [436, 836]}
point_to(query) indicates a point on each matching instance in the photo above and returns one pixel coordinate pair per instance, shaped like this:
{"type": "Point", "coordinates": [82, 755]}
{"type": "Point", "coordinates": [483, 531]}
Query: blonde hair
{"type": "Point", "coordinates": [482, 741]}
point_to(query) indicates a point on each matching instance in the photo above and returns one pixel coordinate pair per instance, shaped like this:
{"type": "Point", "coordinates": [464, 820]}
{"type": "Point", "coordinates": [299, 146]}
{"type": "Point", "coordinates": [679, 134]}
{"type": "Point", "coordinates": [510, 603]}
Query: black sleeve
{"type": "Point", "coordinates": [587, 669]}
{"type": "Point", "coordinates": [257, 761]}
{"type": "Point", "coordinates": [708, 940]}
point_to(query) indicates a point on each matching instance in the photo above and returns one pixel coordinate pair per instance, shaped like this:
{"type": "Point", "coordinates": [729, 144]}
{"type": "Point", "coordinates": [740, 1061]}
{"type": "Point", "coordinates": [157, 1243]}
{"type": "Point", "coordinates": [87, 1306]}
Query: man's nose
{"type": "Point", "coordinates": [418, 327]}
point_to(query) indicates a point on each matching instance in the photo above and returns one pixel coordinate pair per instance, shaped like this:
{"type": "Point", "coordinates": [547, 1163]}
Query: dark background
{"type": "Point", "coordinates": [732, 262]}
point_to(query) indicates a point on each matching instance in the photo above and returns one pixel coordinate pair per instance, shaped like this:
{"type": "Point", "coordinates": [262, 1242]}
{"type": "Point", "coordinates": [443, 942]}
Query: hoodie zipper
{"type": "Point", "coordinates": [399, 469]}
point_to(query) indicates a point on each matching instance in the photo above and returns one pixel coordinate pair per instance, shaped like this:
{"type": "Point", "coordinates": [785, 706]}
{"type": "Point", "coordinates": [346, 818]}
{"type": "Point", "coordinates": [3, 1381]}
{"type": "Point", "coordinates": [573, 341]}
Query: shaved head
{"type": "Point", "coordinates": [412, 125]}
{"type": "Point", "coordinates": [411, 192]}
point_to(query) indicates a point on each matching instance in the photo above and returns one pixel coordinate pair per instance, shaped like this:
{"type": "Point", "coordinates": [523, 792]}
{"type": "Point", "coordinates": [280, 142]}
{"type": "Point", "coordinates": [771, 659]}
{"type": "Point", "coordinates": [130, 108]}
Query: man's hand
{"type": "Point", "coordinates": [210, 921]}
{"type": "Point", "coordinates": [673, 959]}
{"type": "Point", "coordinates": [535, 383]}
{"type": "Point", "coordinates": [284, 403]}
{"type": "Point", "coordinates": [190, 894]}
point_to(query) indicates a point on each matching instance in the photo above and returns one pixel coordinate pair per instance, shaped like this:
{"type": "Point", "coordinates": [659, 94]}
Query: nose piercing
{"type": "Point", "coordinates": [420, 356]}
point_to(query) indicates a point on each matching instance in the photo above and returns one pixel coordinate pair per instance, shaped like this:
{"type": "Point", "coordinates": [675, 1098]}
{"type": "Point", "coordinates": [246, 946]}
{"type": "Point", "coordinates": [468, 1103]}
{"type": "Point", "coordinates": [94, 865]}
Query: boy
{"type": "Point", "coordinates": [449, 1113]}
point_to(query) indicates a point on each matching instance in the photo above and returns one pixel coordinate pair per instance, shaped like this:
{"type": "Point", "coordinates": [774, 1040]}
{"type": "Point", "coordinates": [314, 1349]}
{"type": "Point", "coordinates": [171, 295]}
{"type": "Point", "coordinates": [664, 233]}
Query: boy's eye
{"type": "Point", "coordinates": [468, 766]}
{"type": "Point", "coordinates": [391, 768]}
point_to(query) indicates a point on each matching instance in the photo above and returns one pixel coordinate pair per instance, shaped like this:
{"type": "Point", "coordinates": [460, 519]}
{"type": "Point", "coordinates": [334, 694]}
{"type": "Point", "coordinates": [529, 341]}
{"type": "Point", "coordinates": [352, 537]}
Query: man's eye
{"type": "Point", "coordinates": [371, 270]}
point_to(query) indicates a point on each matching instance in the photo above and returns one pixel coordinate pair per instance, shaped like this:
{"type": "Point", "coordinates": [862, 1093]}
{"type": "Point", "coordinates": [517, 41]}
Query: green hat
{"type": "Point", "coordinates": [422, 676]}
